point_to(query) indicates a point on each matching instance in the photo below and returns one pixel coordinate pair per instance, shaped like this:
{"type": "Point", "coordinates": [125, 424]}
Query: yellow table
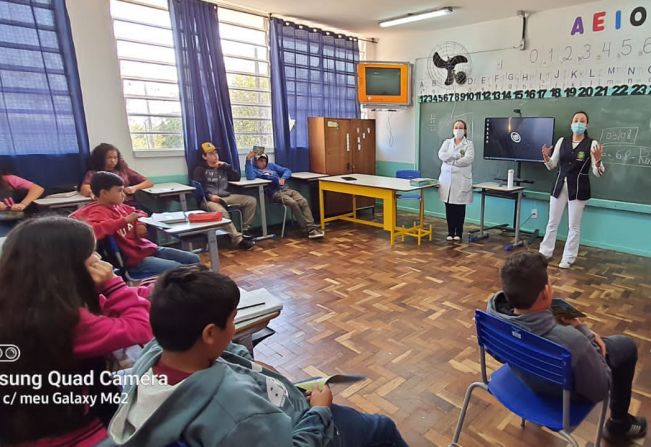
{"type": "Point", "coordinates": [377, 187]}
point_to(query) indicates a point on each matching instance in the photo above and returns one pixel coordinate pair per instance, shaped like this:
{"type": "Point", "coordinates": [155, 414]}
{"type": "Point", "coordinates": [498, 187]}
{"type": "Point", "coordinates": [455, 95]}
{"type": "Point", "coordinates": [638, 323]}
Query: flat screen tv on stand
{"type": "Point", "coordinates": [518, 139]}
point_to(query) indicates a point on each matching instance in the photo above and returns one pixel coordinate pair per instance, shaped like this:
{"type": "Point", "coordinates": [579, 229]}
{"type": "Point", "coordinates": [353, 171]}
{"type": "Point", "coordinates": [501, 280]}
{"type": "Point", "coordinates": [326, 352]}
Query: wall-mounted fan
{"type": "Point", "coordinates": [449, 64]}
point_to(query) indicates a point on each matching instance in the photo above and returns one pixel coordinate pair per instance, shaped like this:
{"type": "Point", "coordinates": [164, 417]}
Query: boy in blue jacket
{"type": "Point", "coordinates": [280, 192]}
{"type": "Point", "coordinates": [185, 395]}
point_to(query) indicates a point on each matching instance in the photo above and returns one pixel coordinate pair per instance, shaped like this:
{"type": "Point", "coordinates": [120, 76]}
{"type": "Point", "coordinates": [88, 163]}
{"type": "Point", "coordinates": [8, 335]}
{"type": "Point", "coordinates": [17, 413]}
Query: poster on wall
{"type": "Point", "coordinates": [599, 53]}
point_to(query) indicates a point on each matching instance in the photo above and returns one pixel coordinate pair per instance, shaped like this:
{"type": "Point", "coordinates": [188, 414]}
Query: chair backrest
{"type": "Point", "coordinates": [523, 350]}
{"type": "Point", "coordinates": [110, 251]}
{"type": "Point", "coordinates": [199, 193]}
{"type": "Point", "coordinates": [408, 174]}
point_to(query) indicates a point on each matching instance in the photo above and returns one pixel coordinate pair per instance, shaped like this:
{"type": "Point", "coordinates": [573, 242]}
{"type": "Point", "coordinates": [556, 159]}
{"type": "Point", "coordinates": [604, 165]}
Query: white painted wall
{"type": "Point", "coordinates": [99, 71]}
{"type": "Point", "coordinates": [397, 131]}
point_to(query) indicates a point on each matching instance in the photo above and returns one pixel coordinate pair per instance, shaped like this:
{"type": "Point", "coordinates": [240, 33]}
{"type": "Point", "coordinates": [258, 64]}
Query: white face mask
{"type": "Point", "coordinates": [458, 133]}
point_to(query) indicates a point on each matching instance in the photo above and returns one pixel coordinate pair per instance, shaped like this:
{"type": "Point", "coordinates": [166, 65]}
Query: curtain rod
{"type": "Point", "coordinates": [257, 12]}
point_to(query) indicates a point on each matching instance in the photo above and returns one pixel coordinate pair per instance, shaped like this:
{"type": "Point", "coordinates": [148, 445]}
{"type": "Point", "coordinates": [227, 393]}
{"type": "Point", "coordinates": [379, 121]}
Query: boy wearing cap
{"type": "Point", "coordinates": [280, 192]}
{"type": "Point", "coordinates": [214, 176]}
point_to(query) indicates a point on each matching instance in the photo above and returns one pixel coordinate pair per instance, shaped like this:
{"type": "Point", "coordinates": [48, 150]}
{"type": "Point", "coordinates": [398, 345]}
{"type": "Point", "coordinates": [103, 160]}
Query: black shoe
{"type": "Point", "coordinates": [246, 244]}
{"type": "Point", "coordinates": [247, 234]}
{"type": "Point", "coordinates": [631, 428]}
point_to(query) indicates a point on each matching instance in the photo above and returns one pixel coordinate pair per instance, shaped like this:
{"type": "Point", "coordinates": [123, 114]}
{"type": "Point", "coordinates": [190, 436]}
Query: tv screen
{"type": "Point", "coordinates": [382, 81]}
{"type": "Point", "coordinates": [515, 138]}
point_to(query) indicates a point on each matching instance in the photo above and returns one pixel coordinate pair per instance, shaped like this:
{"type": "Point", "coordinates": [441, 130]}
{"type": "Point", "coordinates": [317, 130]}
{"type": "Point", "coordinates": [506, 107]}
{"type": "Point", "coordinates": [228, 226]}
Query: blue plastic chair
{"type": "Point", "coordinates": [110, 251]}
{"type": "Point", "coordinates": [534, 357]}
{"type": "Point", "coordinates": [409, 174]}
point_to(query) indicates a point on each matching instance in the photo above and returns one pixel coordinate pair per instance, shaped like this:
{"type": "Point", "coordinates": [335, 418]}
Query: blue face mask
{"type": "Point", "coordinates": [578, 128]}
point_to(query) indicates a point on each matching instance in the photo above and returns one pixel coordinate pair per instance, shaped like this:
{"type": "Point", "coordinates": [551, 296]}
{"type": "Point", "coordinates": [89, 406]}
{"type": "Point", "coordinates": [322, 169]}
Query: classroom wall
{"type": "Point", "coordinates": [397, 132]}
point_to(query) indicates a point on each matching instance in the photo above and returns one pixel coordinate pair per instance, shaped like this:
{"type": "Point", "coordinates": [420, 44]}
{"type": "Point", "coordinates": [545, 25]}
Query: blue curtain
{"type": "Point", "coordinates": [313, 73]}
{"type": "Point", "coordinates": [205, 100]}
{"type": "Point", "coordinates": [42, 121]}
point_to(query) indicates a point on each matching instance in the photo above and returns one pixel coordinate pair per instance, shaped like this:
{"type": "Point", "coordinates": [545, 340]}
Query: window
{"type": "Point", "coordinates": [37, 104]}
{"type": "Point", "coordinates": [244, 42]}
{"type": "Point", "coordinates": [143, 32]}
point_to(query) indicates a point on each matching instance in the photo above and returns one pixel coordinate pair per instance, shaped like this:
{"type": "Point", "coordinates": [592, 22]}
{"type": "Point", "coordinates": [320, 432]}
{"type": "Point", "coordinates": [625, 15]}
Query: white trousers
{"type": "Point", "coordinates": [556, 208]}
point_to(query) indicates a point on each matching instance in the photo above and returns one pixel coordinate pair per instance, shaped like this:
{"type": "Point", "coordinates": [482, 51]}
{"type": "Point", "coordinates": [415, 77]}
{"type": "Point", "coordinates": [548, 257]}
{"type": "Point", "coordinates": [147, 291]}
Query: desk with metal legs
{"type": "Point", "coordinates": [496, 190]}
{"type": "Point", "coordinates": [378, 187]}
{"type": "Point", "coordinates": [260, 184]}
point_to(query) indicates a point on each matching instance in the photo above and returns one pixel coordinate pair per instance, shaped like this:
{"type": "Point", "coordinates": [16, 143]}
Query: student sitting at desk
{"type": "Point", "coordinates": [66, 311]}
{"type": "Point", "coordinates": [214, 393]}
{"type": "Point", "coordinates": [281, 193]}
{"type": "Point", "coordinates": [106, 157]}
{"type": "Point", "coordinates": [214, 176]}
{"type": "Point", "coordinates": [16, 194]}
{"type": "Point", "coordinates": [598, 364]}
{"type": "Point", "coordinates": [109, 216]}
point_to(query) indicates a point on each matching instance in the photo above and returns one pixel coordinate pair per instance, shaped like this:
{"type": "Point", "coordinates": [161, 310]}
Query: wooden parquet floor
{"type": "Point", "coordinates": [403, 317]}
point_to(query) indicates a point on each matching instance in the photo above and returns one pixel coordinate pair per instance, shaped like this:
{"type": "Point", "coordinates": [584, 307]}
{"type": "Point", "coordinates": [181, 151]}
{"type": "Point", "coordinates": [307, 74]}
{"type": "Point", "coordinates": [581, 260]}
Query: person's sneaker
{"type": "Point", "coordinates": [247, 234]}
{"type": "Point", "coordinates": [246, 244]}
{"type": "Point", "coordinates": [564, 265]}
{"type": "Point", "coordinates": [457, 239]}
{"type": "Point", "coordinates": [315, 233]}
{"type": "Point", "coordinates": [632, 428]}
{"type": "Point", "coordinates": [449, 238]}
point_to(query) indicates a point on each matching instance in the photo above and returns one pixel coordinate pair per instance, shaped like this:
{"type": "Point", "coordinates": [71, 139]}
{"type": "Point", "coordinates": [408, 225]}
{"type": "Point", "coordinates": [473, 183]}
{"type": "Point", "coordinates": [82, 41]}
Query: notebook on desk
{"type": "Point", "coordinates": [170, 217]}
{"type": "Point", "coordinates": [256, 303]}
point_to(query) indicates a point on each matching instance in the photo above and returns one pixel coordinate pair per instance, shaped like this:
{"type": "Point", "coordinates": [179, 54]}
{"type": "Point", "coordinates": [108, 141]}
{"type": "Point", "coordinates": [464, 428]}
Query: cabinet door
{"type": "Point", "coordinates": [338, 154]}
{"type": "Point", "coordinates": [363, 146]}
{"type": "Point", "coordinates": [338, 146]}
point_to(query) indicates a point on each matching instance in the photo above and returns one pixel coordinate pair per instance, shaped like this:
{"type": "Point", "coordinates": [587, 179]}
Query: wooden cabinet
{"type": "Point", "coordinates": [342, 146]}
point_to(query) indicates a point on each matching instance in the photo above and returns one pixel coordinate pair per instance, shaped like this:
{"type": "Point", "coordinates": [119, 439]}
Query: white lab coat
{"type": "Point", "coordinates": [455, 181]}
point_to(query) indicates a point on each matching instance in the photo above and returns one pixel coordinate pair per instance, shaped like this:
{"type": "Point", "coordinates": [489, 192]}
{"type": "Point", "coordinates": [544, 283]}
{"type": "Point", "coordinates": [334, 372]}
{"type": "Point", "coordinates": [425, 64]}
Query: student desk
{"type": "Point", "coordinates": [49, 202]}
{"type": "Point", "coordinates": [171, 189]}
{"type": "Point", "coordinates": [310, 178]}
{"type": "Point", "coordinates": [497, 190]}
{"type": "Point", "coordinates": [375, 186]}
{"type": "Point", "coordinates": [245, 327]}
{"type": "Point", "coordinates": [184, 229]}
{"type": "Point", "coordinates": [260, 184]}
{"type": "Point", "coordinates": [307, 176]}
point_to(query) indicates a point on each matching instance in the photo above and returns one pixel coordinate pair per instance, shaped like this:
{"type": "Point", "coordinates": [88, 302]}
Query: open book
{"type": "Point", "coordinates": [564, 310]}
{"type": "Point", "coordinates": [308, 384]}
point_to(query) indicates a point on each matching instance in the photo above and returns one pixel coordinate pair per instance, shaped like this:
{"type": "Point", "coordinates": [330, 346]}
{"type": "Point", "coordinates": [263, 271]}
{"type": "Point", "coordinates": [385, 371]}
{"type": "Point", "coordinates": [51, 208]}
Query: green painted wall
{"type": "Point", "coordinates": [604, 224]}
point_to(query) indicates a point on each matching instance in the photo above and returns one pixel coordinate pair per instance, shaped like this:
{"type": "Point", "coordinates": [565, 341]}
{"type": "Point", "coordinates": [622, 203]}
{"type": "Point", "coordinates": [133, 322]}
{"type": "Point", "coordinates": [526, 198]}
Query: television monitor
{"type": "Point", "coordinates": [386, 83]}
{"type": "Point", "coordinates": [516, 138]}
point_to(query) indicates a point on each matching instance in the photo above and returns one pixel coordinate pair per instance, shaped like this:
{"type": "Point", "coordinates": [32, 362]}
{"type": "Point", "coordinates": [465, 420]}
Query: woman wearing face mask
{"type": "Point", "coordinates": [455, 181]}
{"type": "Point", "coordinates": [574, 157]}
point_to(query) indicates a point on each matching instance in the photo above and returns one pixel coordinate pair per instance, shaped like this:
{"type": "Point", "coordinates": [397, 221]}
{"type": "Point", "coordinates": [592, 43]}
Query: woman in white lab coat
{"type": "Point", "coordinates": [455, 181]}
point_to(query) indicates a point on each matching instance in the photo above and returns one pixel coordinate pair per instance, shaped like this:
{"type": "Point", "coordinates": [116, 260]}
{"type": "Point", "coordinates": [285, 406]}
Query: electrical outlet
{"type": "Point", "coordinates": [534, 213]}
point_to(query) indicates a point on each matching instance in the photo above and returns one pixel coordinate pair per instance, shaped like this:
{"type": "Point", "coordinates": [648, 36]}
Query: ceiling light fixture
{"type": "Point", "coordinates": [416, 17]}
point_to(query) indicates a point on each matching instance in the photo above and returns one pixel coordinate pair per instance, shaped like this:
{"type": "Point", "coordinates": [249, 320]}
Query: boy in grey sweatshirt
{"type": "Point", "coordinates": [185, 395]}
{"type": "Point", "coordinates": [598, 364]}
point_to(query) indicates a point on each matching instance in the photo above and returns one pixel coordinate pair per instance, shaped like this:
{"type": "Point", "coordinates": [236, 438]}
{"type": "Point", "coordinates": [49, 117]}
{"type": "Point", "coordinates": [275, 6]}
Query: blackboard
{"type": "Point", "coordinates": [621, 124]}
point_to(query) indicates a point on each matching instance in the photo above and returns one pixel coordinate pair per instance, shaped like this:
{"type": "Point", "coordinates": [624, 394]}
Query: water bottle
{"type": "Point", "coordinates": [509, 181]}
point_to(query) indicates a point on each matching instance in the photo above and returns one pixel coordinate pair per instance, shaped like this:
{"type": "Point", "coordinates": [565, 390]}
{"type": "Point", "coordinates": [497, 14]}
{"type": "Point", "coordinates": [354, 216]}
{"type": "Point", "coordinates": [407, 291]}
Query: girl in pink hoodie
{"type": "Point", "coordinates": [66, 311]}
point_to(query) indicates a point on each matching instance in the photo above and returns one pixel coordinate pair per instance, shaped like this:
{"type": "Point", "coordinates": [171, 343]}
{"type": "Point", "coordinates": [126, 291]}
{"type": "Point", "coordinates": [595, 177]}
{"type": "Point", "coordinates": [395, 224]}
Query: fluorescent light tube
{"type": "Point", "coordinates": [415, 17]}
